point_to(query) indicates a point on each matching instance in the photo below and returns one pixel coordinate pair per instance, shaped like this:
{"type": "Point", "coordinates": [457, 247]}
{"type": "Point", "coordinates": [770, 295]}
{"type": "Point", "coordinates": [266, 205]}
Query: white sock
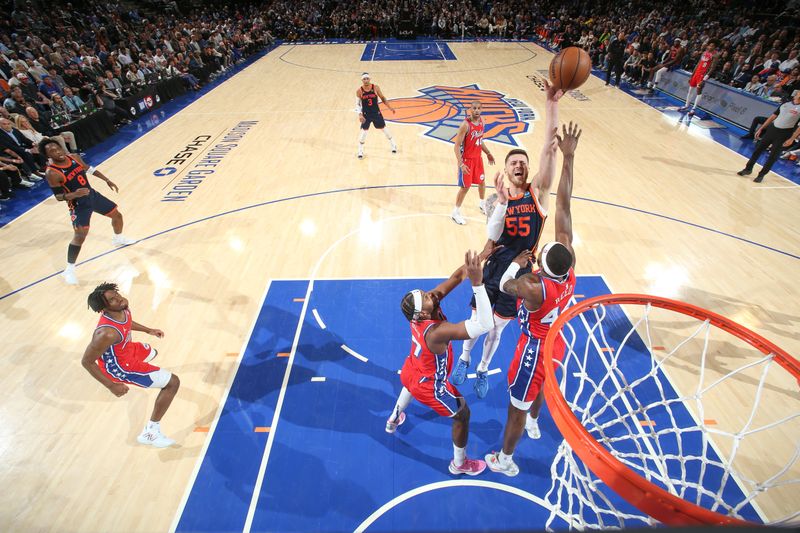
{"type": "Point", "coordinates": [697, 101]}
{"type": "Point", "coordinates": [402, 402]}
{"type": "Point", "coordinates": [466, 348]}
{"type": "Point", "coordinates": [504, 459]}
{"type": "Point", "coordinates": [459, 455]}
{"type": "Point", "coordinates": [153, 426]}
{"type": "Point", "coordinates": [492, 342]}
{"type": "Point", "coordinates": [690, 95]}
{"type": "Point", "coordinates": [362, 136]}
{"type": "Point", "coordinates": [70, 267]}
{"type": "Point", "coordinates": [482, 202]}
{"type": "Point", "coordinates": [387, 133]}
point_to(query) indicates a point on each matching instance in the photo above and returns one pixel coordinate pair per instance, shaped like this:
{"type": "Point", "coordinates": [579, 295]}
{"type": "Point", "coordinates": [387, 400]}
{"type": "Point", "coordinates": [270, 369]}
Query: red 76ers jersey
{"type": "Point", "coordinates": [556, 296]}
{"type": "Point", "coordinates": [704, 64]}
{"type": "Point", "coordinates": [471, 148]}
{"type": "Point", "coordinates": [424, 362]}
{"type": "Point", "coordinates": [123, 328]}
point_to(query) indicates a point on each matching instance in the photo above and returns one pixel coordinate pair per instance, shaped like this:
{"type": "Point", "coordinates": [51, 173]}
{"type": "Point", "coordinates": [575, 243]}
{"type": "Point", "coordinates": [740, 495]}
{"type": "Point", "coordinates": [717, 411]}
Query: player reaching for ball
{"type": "Point", "coordinates": [468, 145]}
{"type": "Point", "coordinates": [515, 224]}
{"type": "Point", "coordinates": [542, 296]}
{"type": "Point", "coordinates": [424, 373]}
{"type": "Point", "coordinates": [369, 112]}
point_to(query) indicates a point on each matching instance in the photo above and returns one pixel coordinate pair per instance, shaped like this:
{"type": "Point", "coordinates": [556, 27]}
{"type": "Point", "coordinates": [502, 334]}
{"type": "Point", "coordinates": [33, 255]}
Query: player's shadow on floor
{"type": "Point", "coordinates": [703, 169]}
{"type": "Point", "coordinates": [345, 407]}
{"type": "Point", "coordinates": [306, 468]}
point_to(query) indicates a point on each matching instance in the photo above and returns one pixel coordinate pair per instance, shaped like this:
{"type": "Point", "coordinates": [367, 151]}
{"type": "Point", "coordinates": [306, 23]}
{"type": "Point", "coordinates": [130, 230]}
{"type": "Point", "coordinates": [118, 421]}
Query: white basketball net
{"type": "Point", "coordinates": [619, 406]}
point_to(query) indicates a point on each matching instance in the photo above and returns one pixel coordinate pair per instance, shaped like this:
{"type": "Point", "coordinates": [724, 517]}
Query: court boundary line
{"type": "Point", "coordinates": [106, 154]}
{"type": "Point", "coordinates": [262, 469]}
{"type": "Point", "coordinates": [282, 394]}
{"type": "Point", "coordinates": [380, 187]}
{"type": "Point", "coordinates": [298, 65]}
{"type": "Point", "coordinates": [223, 400]}
{"type": "Point", "coordinates": [397, 500]}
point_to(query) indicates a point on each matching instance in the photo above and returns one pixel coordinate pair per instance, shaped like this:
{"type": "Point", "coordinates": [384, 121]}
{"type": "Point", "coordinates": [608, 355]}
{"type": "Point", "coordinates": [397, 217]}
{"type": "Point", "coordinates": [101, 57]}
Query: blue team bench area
{"type": "Point", "coordinates": [300, 443]}
{"type": "Point", "coordinates": [394, 50]}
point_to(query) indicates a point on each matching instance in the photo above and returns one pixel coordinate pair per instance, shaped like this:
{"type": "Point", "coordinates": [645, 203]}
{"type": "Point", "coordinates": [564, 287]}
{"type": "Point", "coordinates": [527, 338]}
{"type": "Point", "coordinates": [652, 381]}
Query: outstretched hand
{"type": "Point", "coordinates": [472, 263]}
{"type": "Point", "coordinates": [553, 94]}
{"type": "Point", "coordinates": [569, 142]}
{"type": "Point", "coordinates": [523, 258]}
{"type": "Point", "coordinates": [500, 188]}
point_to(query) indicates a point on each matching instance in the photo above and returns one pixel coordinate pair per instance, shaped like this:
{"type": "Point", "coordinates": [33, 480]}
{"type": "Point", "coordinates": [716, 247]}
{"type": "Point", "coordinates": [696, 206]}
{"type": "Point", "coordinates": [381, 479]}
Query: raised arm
{"type": "Point", "coordinates": [438, 337]}
{"type": "Point", "coordinates": [543, 181]}
{"type": "Point", "coordinates": [102, 339]}
{"type": "Point", "coordinates": [568, 143]}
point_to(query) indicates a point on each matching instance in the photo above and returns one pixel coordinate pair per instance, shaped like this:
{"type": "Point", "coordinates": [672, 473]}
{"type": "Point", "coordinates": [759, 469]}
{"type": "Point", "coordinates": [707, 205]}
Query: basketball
{"type": "Point", "coordinates": [417, 110]}
{"type": "Point", "coordinates": [570, 68]}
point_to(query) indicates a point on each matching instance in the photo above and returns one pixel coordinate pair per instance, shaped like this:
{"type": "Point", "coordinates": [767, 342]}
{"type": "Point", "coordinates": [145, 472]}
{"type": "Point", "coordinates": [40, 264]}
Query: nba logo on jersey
{"type": "Point", "coordinates": [442, 109]}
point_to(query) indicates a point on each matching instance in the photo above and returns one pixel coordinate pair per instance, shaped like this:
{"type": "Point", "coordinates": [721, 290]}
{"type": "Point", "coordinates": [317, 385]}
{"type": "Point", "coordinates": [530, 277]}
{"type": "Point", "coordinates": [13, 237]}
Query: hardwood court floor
{"type": "Point", "coordinates": [658, 209]}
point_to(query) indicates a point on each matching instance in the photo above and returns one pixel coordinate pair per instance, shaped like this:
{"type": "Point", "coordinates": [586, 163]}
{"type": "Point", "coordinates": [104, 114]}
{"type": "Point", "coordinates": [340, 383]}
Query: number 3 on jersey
{"type": "Point", "coordinates": [516, 226]}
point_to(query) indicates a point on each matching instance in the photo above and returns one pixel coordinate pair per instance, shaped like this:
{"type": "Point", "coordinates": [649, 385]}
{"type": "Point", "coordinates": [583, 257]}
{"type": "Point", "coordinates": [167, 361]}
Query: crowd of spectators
{"type": "Point", "coordinates": [60, 61]}
{"type": "Point", "coordinates": [758, 42]}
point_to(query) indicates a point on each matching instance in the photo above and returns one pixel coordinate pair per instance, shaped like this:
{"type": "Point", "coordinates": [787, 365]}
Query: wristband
{"type": "Point", "coordinates": [508, 275]}
{"type": "Point", "coordinates": [91, 170]}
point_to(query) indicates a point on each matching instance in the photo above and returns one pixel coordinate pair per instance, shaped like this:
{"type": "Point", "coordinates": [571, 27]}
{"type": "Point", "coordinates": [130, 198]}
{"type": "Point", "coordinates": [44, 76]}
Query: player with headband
{"type": "Point", "coordinates": [541, 296]}
{"type": "Point", "coordinates": [424, 374]}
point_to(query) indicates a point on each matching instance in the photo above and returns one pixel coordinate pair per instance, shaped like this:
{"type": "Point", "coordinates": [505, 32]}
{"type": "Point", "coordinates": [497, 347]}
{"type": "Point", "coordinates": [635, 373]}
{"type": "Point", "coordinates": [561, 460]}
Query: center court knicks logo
{"type": "Point", "coordinates": [442, 109]}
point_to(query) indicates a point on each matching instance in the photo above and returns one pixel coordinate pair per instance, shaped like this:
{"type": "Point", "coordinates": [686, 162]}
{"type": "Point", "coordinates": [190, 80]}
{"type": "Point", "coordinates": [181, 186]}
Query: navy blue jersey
{"type": "Point", "coordinates": [369, 102]}
{"type": "Point", "coordinates": [524, 224]}
{"type": "Point", "coordinates": [74, 178]}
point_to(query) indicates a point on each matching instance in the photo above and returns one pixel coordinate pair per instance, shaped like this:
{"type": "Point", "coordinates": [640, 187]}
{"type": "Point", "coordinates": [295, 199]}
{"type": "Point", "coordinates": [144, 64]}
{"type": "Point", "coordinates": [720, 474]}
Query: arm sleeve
{"type": "Point", "coordinates": [483, 321]}
{"type": "Point", "coordinates": [508, 275]}
{"type": "Point", "coordinates": [494, 227]}
{"type": "Point", "coordinates": [358, 105]}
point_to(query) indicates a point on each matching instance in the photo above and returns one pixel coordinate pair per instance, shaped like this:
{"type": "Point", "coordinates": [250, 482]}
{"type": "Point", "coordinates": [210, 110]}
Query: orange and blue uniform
{"type": "Point", "coordinates": [80, 209]}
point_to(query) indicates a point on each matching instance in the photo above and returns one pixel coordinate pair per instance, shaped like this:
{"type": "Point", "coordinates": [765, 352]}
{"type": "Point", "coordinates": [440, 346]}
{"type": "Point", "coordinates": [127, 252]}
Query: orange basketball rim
{"type": "Point", "coordinates": [646, 496]}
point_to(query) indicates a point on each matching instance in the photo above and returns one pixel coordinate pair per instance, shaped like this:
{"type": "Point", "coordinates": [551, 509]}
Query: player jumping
{"type": "Point", "coordinates": [515, 224]}
{"type": "Point", "coordinates": [542, 295]}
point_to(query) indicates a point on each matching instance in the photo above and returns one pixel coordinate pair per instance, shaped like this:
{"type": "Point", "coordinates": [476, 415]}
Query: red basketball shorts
{"type": "Point", "coordinates": [475, 176]}
{"type": "Point", "coordinates": [441, 396]}
{"type": "Point", "coordinates": [697, 79]}
{"type": "Point", "coordinates": [130, 367]}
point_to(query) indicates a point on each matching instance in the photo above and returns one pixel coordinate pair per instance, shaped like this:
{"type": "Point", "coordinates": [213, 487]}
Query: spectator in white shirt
{"type": "Point", "coordinates": [789, 63]}
{"type": "Point", "coordinates": [754, 85]}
